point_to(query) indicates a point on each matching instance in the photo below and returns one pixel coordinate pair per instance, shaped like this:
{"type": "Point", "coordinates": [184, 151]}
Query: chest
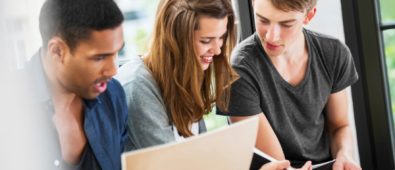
{"type": "Point", "coordinates": [291, 69]}
{"type": "Point", "coordinates": [305, 86]}
{"type": "Point", "coordinates": [69, 126]}
{"type": "Point", "coordinates": [292, 73]}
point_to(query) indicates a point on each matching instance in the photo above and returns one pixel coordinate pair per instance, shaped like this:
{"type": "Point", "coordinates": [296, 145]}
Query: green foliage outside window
{"type": "Point", "coordinates": [387, 8]}
{"type": "Point", "coordinates": [389, 41]}
{"type": "Point", "coordinates": [214, 121]}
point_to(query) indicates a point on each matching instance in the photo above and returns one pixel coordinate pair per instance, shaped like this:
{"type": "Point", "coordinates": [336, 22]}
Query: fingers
{"type": "Point", "coordinates": [306, 166]}
{"type": "Point", "coordinates": [283, 164]}
{"type": "Point", "coordinates": [337, 166]}
{"type": "Point", "coordinates": [351, 166]}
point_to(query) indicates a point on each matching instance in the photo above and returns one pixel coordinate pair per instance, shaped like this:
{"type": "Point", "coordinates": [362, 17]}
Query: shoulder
{"type": "Point", "coordinates": [134, 73]}
{"type": "Point", "coordinates": [325, 43]}
{"type": "Point", "coordinates": [137, 80]}
{"type": "Point", "coordinates": [114, 94]}
{"type": "Point", "coordinates": [32, 76]}
{"type": "Point", "coordinates": [328, 49]}
{"type": "Point", "coordinates": [114, 87]}
{"type": "Point", "coordinates": [246, 50]}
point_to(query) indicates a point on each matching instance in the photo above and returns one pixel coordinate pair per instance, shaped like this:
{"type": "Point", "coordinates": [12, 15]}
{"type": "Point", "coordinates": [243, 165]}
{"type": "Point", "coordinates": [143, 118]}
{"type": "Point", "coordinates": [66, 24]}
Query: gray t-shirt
{"type": "Point", "coordinates": [296, 113]}
{"type": "Point", "coordinates": [148, 122]}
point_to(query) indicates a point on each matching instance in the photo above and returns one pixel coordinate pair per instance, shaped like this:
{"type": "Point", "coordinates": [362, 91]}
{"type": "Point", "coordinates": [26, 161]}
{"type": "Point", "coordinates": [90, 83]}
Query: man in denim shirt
{"type": "Point", "coordinates": [83, 108]}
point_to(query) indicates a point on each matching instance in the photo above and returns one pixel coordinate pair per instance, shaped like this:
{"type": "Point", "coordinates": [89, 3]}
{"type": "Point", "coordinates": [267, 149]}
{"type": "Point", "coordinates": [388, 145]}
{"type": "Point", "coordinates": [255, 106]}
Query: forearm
{"type": "Point", "coordinates": [272, 148]}
{"type": "Point", "coordinates": [341, 141]}
{"type": "Point", "coordinates": [267, 140]}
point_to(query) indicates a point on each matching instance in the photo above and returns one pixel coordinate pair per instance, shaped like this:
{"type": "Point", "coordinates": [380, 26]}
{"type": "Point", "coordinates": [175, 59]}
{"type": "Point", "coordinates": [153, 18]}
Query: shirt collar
{"type": "Point", "coordinates": [91, 104]}
{"type": "Point", "coordinates": [40, 86]}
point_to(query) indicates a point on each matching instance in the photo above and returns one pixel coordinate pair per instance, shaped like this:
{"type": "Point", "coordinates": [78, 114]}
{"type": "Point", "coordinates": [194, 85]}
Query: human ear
{"type": "Point", "coordinates": [57, 49]}
{"type": "Point", "coordinates": [310, 15]}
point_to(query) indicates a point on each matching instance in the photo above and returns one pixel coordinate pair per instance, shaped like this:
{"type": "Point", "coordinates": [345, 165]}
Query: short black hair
{"type": "Point", "coordinates": [73, 20]}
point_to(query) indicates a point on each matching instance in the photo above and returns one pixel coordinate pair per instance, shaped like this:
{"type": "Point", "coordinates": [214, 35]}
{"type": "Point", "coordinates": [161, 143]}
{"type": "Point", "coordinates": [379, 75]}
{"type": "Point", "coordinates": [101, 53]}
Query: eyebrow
{"type": "Point", "coordinates": [108, 54]}
{"type": "Point", "coordinates": [214, 37]}
{"type": "Point", "coordinates": [283, 22]}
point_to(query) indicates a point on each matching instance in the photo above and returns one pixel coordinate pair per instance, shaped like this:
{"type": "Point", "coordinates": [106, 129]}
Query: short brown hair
{"type": "Point", "coordinates": [294, 5]}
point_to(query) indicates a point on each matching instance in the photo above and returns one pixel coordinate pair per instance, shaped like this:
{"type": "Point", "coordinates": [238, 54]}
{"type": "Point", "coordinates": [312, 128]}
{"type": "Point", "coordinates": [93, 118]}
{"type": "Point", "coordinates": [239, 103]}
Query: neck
{"type": "Point", "coordinates": [65, 102]}
{"type": "Point", "coordinates": [297, 51]}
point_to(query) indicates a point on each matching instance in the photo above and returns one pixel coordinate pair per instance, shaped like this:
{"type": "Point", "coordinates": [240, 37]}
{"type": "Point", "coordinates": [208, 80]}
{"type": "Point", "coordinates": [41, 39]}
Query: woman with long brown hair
{"type": "Point", "coordinates": [185, 72]}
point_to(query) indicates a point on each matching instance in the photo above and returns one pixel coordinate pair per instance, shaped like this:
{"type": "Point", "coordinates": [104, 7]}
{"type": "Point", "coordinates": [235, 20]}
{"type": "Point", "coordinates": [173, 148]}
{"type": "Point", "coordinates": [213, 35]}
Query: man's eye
{"type": "Point", "coordinates": [99, 58]}
{"type": "Point", "coordinates": [264, 22]}
{"type": "Point", "coordinates": [286, 25]}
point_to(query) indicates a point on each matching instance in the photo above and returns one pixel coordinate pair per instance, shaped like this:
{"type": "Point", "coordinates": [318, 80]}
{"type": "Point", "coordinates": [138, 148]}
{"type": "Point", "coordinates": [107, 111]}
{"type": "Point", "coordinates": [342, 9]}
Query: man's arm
{"type": "Point", "coordinates": [266, 138]}
{"type": "Point", "coordinates": [267, 142]}
{"type": "Point", "coordinates": [339, 131]}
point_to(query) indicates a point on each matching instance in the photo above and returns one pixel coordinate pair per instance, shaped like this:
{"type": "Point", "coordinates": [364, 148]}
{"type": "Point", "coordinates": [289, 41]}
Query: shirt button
{"type": "Point", "coordinates": [56, 162]}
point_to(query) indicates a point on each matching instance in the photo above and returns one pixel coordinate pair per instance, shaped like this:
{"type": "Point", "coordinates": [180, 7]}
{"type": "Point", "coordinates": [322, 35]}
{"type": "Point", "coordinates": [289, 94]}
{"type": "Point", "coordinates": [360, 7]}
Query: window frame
{"type": "Point", "coordinates": [372, 106]}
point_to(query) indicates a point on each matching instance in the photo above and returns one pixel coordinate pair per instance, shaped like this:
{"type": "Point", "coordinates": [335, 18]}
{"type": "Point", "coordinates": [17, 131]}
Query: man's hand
{"type": "Point", "coordinates": [306, 166]}
{"type": "Point", "coordinates": [344, 162]}
{"type": "Point", "coordinates": [284, 165]}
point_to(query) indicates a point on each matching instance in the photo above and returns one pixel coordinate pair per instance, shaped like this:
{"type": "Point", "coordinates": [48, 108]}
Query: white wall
{"type": "Point", "coordinates": [18, 35]}
{"type": "Point", "coordinates": [328, 19]}
{"type": "Point", "coordinates": [21, 28]}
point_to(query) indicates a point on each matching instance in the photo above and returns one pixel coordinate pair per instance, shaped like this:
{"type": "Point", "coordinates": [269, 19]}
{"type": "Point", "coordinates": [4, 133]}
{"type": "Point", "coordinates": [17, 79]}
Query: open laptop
{"type": "Point", "coordinates": [227, 148]}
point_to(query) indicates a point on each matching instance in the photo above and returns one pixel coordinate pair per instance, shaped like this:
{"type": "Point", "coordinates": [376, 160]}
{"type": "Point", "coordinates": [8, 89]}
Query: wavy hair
{"type": "Point", "coordinates": [187, 90]}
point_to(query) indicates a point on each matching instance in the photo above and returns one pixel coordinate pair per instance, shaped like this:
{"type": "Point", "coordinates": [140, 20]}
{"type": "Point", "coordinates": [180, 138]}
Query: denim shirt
{"type": "Point", "coordinates": [105, 121]}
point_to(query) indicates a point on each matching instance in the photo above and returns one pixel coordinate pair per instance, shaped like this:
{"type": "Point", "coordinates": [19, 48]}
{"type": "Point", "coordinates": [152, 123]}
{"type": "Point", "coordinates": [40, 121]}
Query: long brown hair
{"type": "Point", "coordinates": [187, 90]}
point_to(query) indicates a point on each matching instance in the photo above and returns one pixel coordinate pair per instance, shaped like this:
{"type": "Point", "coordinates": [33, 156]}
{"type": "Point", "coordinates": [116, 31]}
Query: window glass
{"type": "Point", "coordinates": [387, 11]}
{"type": "Point", "coordinates": [139, 19]}
{"type": "Point", "coordinates": [389, 44]}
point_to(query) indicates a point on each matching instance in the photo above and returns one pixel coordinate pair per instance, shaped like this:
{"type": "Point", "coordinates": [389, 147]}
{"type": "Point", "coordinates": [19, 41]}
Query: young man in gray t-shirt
{"type": "Point", "coordinates": [294, 80]}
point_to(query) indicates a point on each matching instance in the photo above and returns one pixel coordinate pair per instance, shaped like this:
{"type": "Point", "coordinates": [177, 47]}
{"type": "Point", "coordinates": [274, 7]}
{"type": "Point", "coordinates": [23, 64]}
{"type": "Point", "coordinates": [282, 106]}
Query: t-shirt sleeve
{"type": "Point", "coordinates": [148, 122]}
{"type": "Point", "coordinates": [344, 71]}
{"type": "Point", "coordinates": [244, 96]}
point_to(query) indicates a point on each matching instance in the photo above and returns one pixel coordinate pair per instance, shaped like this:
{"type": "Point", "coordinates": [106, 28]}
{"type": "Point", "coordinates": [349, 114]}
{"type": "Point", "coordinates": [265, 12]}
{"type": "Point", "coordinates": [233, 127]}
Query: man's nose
{"type": "Point", "coordinates": [111, 66]}
{"type": "Point", "coordinates": [273, 33]}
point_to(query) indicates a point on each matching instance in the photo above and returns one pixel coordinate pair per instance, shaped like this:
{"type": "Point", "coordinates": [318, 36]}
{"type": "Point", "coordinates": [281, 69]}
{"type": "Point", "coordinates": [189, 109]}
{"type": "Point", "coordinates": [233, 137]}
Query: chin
{"type": "Point", "coordinates": [90, 96]}
{"type": "Point", "coordinates": [205, 67]}
{"type": "Point", "coordinates": [272, 53]}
